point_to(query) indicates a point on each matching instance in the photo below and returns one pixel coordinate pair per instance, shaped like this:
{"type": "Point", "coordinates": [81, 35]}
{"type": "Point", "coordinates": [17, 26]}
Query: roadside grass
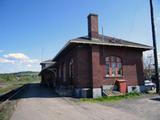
{"type": "Point", "coordinates": [8, 88]}
{"type": "Point", "coordinates": [111, 98]}
{"type": "Point", "coordinates": [7, 109]}
{"type": "Point", "coordinates": [9, 82]}
{"type": "Point", "coordinates": [13, 85]}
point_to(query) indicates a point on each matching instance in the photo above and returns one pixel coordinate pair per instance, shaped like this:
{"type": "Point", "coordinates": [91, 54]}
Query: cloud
{"type": "Point", "coordinates": [159, 59]}
{"type": "Point", "coordinates": [2, 60]}
{"type": "Point", "coordinates": [18, 56]}
{"type": "Point", "coordinates": [18, 62]}
{"type": "Point", "coordinates": [149, 55]}
{"type": "Point", "coordinates": [29, 65]}
{"type": "Point", "coordinates": [1, 51]}
{"type": "Point", "coordinates": [21, 58]}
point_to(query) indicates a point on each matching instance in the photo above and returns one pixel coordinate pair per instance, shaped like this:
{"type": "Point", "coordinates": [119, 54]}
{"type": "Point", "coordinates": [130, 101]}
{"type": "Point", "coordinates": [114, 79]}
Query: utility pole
{"type": "Point", "coordinates": [154, 47]}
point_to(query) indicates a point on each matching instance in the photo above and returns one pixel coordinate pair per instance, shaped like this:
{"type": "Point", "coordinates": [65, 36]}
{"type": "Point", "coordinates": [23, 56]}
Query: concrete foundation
{"type": "Point", "coordinates": [82, 92]}
{"type": "Point", "coordinates": [97, 92]}
{"type": "Point", "coordinates": [136, 88]}
{"type": "Point", "coordinates": [107, 87]}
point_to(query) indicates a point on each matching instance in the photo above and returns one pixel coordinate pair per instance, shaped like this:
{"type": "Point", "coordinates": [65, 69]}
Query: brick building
{"type": "Point", "coordinates": [95, 62]}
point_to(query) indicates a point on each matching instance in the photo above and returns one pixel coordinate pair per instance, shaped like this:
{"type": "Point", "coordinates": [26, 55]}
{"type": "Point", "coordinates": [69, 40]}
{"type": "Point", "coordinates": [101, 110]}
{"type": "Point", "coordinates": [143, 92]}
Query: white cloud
{"type": "Point", "coordinates": [18, 56]}
{"type": "Point", "coordinates": [2, 60]}
{"type": "Point", "coordinates": [149, 55]}
{"type": "Point", "coordinates": [29, 65]}
{"type": "Point", "coordinates": [1, 50]}
{"type": "Point", "coordinates": [21, 58]}
{"type": "Point", "coordinates": [19, 62]}
{"type": "Point", "coordinates": [159, 59]}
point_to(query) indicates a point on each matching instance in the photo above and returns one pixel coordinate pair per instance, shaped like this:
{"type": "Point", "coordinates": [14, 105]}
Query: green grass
{"type": "Point", "coordinates": [111, 98]}
{"type": "Point", "coordinates": [11, 81]}
{"type": "Point", "coordinates": [7, 109]}
{"type": "Point", "coordinates": [9, 87]}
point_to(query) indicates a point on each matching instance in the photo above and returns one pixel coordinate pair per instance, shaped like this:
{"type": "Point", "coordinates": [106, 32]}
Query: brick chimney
{"type": "Point", "coordinates": [93, 26]}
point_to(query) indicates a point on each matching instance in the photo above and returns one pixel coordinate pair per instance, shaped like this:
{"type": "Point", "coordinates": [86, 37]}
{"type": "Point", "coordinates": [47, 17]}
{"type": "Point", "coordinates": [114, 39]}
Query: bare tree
{"type": "Point", "coordinates": [148, 66]}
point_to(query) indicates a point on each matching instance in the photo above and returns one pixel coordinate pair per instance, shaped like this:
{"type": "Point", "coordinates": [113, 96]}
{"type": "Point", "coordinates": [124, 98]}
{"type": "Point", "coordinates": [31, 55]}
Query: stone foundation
{"type": "Point", "coordinates": [97, 92]}
{"type": "Point", "coordinates": [136, 88]}
{"type": "Point", "coordinates": [82, 92]}
{"type": "Point", "coordinates": [87, 92]}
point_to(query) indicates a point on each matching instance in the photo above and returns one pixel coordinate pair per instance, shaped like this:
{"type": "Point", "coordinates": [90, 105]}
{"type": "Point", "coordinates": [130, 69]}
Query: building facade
{"type": "Point", "coordinates": [96, 62]}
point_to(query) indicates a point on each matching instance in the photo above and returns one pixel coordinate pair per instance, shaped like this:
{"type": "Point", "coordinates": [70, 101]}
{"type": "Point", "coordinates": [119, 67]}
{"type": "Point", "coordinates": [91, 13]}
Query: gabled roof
{"type": "Point", "coordinates": [110, 41]}
{"type": "Point", "coordinates": [49, 64]}
{"type": "Point", "coordinates": [105, 41]}
{"type": "Point", "coordinates": [47, 61]}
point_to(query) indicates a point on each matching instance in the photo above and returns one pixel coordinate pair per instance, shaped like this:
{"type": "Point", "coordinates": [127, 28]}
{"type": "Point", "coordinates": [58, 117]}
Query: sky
{"type": "Point", "coordinates": [35, 30]}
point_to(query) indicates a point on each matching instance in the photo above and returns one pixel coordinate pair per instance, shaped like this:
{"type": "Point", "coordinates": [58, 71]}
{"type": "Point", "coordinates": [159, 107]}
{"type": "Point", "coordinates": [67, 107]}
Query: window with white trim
{"type": "Point", "coordinates": [113, 66]}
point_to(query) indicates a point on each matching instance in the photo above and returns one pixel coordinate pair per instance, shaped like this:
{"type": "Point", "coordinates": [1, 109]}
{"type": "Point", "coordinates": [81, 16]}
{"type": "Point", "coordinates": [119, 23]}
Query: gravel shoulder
{"type": "Point", "coordinates": [147, 107]}
{"type": "Point", "coordinates": [37, 106]}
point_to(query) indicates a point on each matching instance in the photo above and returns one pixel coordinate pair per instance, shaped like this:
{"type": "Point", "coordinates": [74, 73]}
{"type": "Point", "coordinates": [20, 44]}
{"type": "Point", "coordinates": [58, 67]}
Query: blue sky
{"type": "Point", "coordinates": [35, 30]}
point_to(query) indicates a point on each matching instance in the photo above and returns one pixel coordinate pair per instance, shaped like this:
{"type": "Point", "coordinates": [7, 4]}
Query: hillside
{"type": "Point", "coordinates": [9, 81]}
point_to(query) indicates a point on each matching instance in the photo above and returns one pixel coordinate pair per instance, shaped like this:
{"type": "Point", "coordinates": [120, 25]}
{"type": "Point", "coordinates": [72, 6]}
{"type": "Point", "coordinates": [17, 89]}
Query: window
{"type": "Point", "coordinates": [59, 71]}
{"type": "Point", "coordinates": [113, 66]}
{"type": "Point", "coordinates": [64, 72]}
{"type": "Point", "coordinates": [71, 68]}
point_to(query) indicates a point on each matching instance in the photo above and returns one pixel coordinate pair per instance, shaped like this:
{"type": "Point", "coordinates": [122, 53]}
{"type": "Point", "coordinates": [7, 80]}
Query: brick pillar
{"type": "Point", "coordinates": [96, 72]}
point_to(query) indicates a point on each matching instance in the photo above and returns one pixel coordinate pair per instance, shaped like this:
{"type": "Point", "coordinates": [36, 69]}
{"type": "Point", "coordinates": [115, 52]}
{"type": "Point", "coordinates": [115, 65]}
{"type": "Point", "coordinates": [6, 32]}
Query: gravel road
{"type": "Point", "coordinates": [38, 103]}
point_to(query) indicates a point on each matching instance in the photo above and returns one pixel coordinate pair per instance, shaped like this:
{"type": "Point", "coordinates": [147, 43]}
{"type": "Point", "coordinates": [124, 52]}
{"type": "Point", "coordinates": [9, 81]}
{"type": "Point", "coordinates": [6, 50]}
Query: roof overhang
{"type": "Point", "coordinates": [97, 42]}
{"type": "Point", "coordinates": [47, 69]}
{"type": "Point", "coordinates": [47, 62]}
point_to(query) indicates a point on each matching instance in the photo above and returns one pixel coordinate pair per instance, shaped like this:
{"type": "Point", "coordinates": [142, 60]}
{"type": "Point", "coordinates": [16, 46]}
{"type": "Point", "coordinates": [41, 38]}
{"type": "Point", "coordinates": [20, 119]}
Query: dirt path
{"type": "Point", "coordinates": [36, 106]}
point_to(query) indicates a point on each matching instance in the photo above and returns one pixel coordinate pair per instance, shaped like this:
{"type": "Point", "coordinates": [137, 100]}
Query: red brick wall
{"type": "Point", "coordinates": [93, 26]}
{"type": "Point", "coordinates": [89, 65]}
{"type": "Point", "coordinates": [65, 59]}
{"type": "Point", "coordinates": [83, 67]}
{"type": "Point", "coordinates": [131, 61]}
{"type": "Point", "coordinates": [97, 71]}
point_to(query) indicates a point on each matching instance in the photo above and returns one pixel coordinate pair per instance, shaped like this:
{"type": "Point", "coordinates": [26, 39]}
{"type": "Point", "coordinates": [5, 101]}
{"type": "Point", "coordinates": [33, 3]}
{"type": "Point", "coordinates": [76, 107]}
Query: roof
{"type": "Point", "coordinates": [110, 41]}
{"type": "Point", "coordinates": [47, 62]}
{"type": "Point", "coordinates": [105, 41]}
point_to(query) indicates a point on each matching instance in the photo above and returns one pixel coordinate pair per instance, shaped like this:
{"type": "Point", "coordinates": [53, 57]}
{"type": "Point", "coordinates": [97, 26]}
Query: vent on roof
{"type": "Point", "coordinates": [115, 41]}
{"type": "Point", "coordinates": [112, 41]}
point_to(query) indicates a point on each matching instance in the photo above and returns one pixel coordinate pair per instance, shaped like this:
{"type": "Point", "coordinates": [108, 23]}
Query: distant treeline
{"type": "Point", "coordinates": [19, 77]}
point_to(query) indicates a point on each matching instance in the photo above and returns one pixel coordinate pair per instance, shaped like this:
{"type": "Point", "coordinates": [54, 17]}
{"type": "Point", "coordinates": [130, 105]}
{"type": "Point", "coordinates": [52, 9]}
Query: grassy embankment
{"type": "Point", "coordinates": [9, 82]}
{"type": "Point", "coordinates": [7, 110]}
{"type": "Point", "coordinates": [111, 98]}
{"type": "Point", "coordinates": [13, 80]}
